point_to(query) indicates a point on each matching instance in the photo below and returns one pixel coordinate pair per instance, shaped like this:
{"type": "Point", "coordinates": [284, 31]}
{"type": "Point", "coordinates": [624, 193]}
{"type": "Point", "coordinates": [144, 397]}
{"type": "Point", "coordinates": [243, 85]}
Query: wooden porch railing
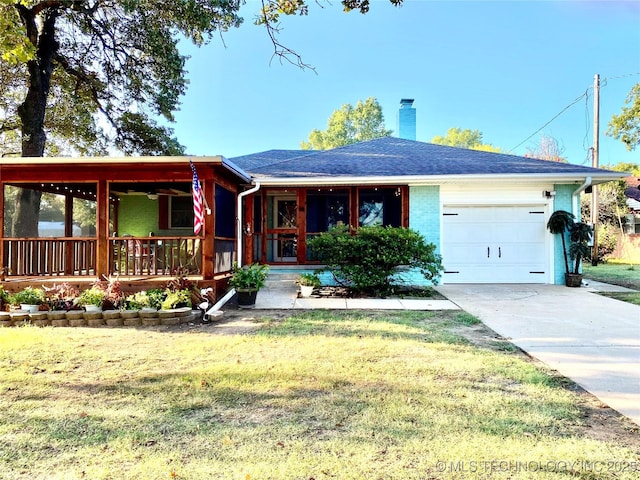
{"type": "Point", "coordinates": [129, 256]}
{"type": "Point", "coordinates": [49, 256]}
{"type": "Point", "coordinates": [155, 255]}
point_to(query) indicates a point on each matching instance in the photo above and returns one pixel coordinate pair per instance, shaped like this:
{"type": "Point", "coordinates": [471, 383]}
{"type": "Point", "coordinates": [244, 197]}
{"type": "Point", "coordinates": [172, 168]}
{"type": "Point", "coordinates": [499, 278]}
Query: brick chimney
{"type": "Point", "coordinates": [407, 119]}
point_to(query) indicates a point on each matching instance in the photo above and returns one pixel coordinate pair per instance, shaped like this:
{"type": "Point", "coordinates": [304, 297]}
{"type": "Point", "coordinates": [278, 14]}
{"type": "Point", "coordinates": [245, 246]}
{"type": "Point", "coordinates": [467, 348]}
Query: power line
{"type": "Point", "coordinates": [556, 116]}
{"type": "Point", "coordinates": [585, 95]}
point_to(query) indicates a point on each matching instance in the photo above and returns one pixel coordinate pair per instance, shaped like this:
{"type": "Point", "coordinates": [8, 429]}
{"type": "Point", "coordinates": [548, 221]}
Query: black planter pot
{"type": "Point", "coordinates": [246, 297]}
{"type": "Point", "coordinates": [573, 279]}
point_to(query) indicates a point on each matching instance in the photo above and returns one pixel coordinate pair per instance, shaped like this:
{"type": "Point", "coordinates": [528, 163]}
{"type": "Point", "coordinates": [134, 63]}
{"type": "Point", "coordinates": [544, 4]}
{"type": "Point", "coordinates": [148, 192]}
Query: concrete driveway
{"type": "Point", "coordinates": [591, 339]}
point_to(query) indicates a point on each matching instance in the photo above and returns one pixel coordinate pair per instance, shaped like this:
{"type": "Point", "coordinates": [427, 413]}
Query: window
{"type": "Point", "coordinates": [380, 206]}
{"type": "Point", "coordinates": [180, 212]}
{"type": "Point", "coordinates": [225, 212]}
{"type": "Point", "coordinates": [327, 209]}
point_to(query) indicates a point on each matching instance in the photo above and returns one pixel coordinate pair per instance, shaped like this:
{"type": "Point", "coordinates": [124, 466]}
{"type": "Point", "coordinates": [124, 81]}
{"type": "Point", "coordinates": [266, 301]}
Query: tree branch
{"type": "Point", "coordinates": [281, 51]}
{"type": "Point", "coordinates": [89, 81]}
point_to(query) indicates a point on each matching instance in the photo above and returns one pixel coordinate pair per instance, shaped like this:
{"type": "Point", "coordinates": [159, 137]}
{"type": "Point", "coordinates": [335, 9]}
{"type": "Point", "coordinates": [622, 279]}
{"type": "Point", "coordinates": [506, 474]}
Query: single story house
{"type": "Point", "coordinates": [485, 212]}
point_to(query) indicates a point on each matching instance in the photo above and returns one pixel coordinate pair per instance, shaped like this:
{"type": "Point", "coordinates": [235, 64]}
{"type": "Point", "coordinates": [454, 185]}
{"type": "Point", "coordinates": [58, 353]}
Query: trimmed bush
{"type": "Point", "coordinates": [367, 259]}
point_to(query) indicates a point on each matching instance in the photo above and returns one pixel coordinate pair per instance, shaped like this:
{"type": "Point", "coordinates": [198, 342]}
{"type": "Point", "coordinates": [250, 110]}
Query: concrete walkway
{"type": "Point", "coordinates": [589, 338]}
{"type": "Point", "coordinates": [283, 294]}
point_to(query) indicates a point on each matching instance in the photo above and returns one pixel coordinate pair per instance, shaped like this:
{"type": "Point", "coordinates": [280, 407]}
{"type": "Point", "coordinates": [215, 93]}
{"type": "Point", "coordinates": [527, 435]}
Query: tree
{"type": "Point", "coordinates": [626, 126]}
{"type": "Point", "coordinates": [547, 148]}
{"type": "Point", "coordinates": [84, 74]}
{"type": "Point", "coordinates": [349, 125]}
{"type": "Point", "coordinates": [612, 209]}
{"type": "Point", "coordinates": [472, 139]}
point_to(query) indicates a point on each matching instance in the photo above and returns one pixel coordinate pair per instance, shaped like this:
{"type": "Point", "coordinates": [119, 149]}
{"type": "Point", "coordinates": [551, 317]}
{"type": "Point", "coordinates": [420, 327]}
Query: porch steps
{"type": "Point", "coordinates": [283, 280]}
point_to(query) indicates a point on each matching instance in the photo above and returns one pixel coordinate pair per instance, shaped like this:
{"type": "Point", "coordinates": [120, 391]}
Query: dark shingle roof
{"type": "Point", "coordinates": [391, 156]}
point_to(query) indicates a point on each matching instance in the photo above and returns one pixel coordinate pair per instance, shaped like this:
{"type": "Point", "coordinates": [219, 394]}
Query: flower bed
{"type": "Point", "coordinates": [107, 318]}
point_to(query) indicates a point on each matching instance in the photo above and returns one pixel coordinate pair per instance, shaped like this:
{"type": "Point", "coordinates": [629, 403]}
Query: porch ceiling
{"type": "Point", "coordinates": [87, 191]}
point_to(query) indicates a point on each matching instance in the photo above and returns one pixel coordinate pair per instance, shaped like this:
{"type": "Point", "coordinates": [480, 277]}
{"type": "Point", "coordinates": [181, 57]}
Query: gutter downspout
{"type": "Point", "coordinates": [214, 311]}
{"type": "Point", "coordinates": [239, 232]}
{"type": "Point", "coordinates": [574, 197]}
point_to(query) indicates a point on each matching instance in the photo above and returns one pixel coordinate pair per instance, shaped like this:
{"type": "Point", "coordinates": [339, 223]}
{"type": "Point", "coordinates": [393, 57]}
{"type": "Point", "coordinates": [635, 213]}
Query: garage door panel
{"type": "Point", "coordinates": [494, 244]}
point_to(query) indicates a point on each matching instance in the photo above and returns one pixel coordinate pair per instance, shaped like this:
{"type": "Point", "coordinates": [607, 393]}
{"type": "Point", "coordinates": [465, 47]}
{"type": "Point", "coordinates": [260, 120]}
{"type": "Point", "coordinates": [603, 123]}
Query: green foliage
{"type": "Point", "coordinates": [178, 298]}
{"type": "Point", "coordinates": [250, 277]}
{"type": "Point", "coordinates": [92, 296]}
{"type": "Point", "coordinates": [309, 280]}
{"type": "Point", "coordinates": [369, 258]}
{"type": "Point", "coordinates": [28, 296]}
{"type": "Point", "coordinates": [349, 125]}
{"type": "Point", "coordinates": [156, 297]}
{"type": "Point", "coordinates": [472, 139]}
{"type": "Point", "coordinates": [137, 301]}
{"type": "Point", "coordinates": [563, 223]}
{"type": "Point", "coordinates": [580, 235]}
{"type": "Point", "coordinates": [559, 223]}
{"type": "Point", "coordinates": [4, 295]}
{"type": "Point", "coordinates": [626, 126]}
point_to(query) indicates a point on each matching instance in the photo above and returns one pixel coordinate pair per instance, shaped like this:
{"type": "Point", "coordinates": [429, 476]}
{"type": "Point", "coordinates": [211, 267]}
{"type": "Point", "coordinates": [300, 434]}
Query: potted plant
{"type": "Point", "coordinates": [580, 236]}
{"type": "Point", "coordinates": [247, 281]}
{"type": "Point", "coordinates": [307, 282]}
{"type": "Point", "coordinates": [29, 298]}
{"type": "Point", "coordinates": [563, 223]}
{"type": "Point", "coordinates": [5, 298]}
{"type": "Point", "coordinates": [61, 296]}
{"type": "Point", "coordinates": [92, 298]}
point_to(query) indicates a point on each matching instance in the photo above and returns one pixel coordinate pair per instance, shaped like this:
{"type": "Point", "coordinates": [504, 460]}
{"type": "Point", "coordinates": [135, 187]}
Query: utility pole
{"type": "Point", "coordinates": [594, 164]}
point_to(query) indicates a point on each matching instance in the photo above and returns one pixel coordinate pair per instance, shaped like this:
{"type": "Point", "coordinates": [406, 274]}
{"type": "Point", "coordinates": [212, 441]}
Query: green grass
{"type": "Point", "coordinates": [625, 297]}
{"type": "Point", "coordinates": [615, 273]}
{"type": "Point", "coordinates": [316, 395]}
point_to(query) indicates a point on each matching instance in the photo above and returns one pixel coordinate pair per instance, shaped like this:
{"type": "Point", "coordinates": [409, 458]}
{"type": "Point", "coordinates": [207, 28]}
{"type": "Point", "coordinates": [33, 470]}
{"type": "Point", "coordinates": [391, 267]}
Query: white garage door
{"type": "Point", "coordinates": [494, 244]}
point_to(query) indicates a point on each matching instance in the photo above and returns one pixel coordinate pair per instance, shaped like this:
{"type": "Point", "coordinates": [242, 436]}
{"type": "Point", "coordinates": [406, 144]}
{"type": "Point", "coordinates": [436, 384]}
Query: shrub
{"type": "Point", "coordinates": [92, 296]}
{"type": "Point", "coordinates": [29, 296]}
{"type": "Point", "coordinates": [156, 297]}
{"type": "Point", "coordinates": [367, 259]}
{"type": "Point", "coordinates": [178, 298]}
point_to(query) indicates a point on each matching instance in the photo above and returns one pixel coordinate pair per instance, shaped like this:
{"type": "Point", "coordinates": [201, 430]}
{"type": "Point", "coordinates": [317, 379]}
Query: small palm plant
{"type": "Point", "coordinates": [580, 235]}
{"type": "Point", "coordinates": [560, 223]}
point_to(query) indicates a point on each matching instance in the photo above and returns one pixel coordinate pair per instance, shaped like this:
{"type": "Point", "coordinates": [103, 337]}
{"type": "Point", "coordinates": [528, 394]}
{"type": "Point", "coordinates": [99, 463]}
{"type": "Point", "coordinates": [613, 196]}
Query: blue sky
{"type": "Point", "coordinates": [505, 68]}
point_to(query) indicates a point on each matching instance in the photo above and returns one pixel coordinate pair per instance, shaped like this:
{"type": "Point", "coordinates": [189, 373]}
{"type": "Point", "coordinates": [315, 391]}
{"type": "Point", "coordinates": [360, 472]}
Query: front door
{"type": "Point", "coordinates": [284, 229]}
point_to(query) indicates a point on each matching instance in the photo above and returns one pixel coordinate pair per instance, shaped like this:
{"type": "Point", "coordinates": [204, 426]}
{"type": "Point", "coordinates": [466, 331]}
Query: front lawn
{"type": "Point", "coordinates": [615, 273]}
{"type": "Point", "coordinates": [323, 395]}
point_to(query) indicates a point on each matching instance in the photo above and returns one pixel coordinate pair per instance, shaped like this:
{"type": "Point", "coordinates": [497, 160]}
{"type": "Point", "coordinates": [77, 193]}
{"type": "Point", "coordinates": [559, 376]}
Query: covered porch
{"type": "Point", "coordinates": [130, 218]}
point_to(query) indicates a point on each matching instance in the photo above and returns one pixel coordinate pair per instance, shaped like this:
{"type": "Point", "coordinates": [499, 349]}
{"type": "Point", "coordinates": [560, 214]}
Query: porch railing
{"type": "Point", "coordinates": [155, 255]}
{"type": "Point", "coordinates": [130, 256]}
{"type": "Point", "coordinates": [49, 256]}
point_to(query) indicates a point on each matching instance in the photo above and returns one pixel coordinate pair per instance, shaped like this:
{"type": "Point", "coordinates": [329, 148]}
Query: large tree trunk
{"type": "Point", "coordinates": [40, 27]}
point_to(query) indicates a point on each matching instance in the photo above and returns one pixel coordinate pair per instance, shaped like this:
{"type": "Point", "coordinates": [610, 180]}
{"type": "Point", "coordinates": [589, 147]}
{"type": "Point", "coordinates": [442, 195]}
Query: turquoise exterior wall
{"type": "Point", "coordinates": [424, 217]}
{"type": "Point", "coordinates": [562, 201]}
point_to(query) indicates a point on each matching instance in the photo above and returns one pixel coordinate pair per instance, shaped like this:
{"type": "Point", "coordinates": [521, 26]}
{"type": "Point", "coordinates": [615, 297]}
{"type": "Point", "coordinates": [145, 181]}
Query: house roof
{"type": "Point", "coordinates": [393, 160]}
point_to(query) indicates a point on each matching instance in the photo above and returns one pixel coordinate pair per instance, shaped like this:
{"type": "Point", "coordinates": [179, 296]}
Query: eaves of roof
{"type": "Point", "coordinates": [419, 180]}
{"type": "Point", "coordinates": [119, 161]}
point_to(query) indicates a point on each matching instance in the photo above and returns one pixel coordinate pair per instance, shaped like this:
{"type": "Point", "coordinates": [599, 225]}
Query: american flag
{"type": "Point", "coordinates": [198, 208]}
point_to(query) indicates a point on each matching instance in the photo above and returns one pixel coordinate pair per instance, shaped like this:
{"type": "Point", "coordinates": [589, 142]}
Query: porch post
{"type": "Point", "coordinates": [102, 247]}
{"type": "Point", "coordinates": [208, 243]}
{"type": "Point", "coordinates": [68, 232]}
{"type": "Point", "coordinates": [2, 272]}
